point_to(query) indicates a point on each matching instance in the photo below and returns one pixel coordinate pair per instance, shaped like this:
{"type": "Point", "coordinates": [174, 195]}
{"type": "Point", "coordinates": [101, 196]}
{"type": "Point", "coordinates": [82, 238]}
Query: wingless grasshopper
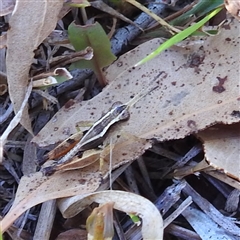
{"type": "Point", "coordinates": [77, 144]}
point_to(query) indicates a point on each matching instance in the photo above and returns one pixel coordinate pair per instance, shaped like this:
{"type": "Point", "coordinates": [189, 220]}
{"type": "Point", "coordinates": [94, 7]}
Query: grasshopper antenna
{"type": "Point", "coordinates": [144, 92]}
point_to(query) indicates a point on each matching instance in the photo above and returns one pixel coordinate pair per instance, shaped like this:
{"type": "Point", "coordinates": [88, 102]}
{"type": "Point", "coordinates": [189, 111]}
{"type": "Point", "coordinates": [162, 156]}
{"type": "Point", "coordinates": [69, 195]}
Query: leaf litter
{"type": "Point", "coordinates": [197, 60]}
{"type": "Point", "coordinates": [216, 101]}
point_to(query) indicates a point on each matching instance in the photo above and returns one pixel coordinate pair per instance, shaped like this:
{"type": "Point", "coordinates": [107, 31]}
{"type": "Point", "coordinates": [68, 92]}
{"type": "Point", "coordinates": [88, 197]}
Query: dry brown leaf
{"type": "Point", "coordinates": [31, 22]}
{"type": "Point", "coordinates": [36, 188]}
{"type": "Point", "coordinates": [199, 87]}
{"type": "Point", "coordinates": [152, 223]}
{"type": "Point", "coordinates": [99, 223]}
{"type": "Point", "coordinates": [222, 148]}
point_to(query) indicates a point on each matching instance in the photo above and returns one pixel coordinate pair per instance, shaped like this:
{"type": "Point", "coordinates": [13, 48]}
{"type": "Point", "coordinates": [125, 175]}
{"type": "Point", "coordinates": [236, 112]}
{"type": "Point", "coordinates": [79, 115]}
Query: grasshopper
{"type": "Point", "coordinates": [96, 134]}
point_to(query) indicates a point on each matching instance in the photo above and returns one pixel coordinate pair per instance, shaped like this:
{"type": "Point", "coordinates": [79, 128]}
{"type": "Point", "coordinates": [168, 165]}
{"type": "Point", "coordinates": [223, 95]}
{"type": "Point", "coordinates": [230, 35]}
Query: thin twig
{"type": "Point", "coordinates": [15, 121]}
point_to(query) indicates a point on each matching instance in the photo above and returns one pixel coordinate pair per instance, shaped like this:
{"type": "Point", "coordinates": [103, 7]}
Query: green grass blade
{"type": "Point", "coordinates": [179, 37]}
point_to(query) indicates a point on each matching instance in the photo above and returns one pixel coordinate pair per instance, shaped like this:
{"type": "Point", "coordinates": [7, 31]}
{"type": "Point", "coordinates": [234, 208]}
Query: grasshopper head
{"type": "Point", "coordinates": [120, 111]}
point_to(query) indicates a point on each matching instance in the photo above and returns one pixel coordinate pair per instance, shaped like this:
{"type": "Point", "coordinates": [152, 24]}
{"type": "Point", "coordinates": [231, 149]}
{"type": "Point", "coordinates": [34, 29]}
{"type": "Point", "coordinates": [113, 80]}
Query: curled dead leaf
{"type": "Point", "coordinates": [59, 75]}
{"type": "Point", "coordinates": [152, 223]}
{"type": "Point", "coordinates": [100, 222]}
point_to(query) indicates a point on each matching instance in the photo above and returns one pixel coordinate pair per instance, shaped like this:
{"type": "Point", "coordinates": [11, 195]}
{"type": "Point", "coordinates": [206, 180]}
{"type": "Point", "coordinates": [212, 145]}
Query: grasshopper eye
{"type": "Point", "coordinates": [122, 112]}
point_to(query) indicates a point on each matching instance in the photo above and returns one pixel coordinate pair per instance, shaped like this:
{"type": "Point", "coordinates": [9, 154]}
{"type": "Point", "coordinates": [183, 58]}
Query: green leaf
{"type": "Point", "coordinates": [94, 36]}
{"type": "Point", "coordinates": [135, 218]}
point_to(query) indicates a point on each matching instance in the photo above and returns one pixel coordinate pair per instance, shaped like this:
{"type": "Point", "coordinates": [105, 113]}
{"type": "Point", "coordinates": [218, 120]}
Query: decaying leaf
{"type": "Point", "coordinates": [198, 88]}
{"type": "Point", "coordinates": [69, 58]}
{"type": "Point", "coordinates": [95, 37]}
{"type": "Point", "coordinates": [36, 188]}
{"type": "Point", "coordinates": [152, 223]}
{"type": "Point", "coordinates": [59, 75]}
{"type": "Point", "coordinates": [226, 138]}
{"type": "Point", "coordinates": [28, 29]}
{"type": "Point", "coordinates": [100, 222]}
